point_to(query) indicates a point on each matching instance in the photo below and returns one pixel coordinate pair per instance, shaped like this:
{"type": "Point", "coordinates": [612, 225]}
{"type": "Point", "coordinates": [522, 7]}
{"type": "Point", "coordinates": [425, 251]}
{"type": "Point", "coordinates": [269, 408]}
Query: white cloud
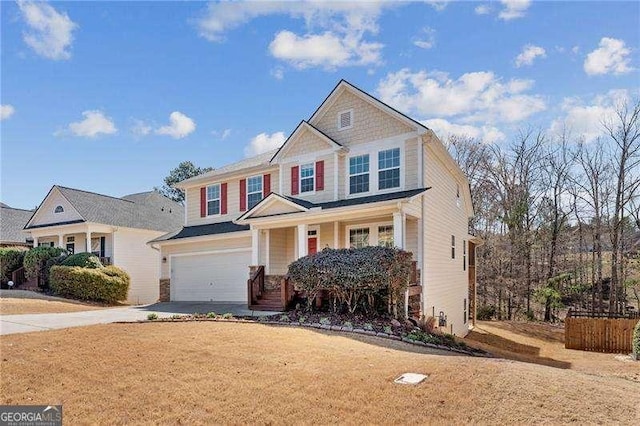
{"type": "Point", "coordinates": [529, 54]}
{"type": "Point", "coordinates": [513, 9]}
{"type": "Point", "coordinates": [473, 97]}
{"type": "Point", "coordinates": [140, 128]}
{"type": "Point", "coordinates": [483, 9]}
{"type": "Point", "coordinates": [428, 40]}
{"type": "Point", "coordinates": [438, 5]}
{"type": "Point", "coordinates": [335, 35]}
{"type": "Point", "coordinates": [264, 142]}
{"type": "Point", "coordinates": [612, 56]}
{"type": "Point", "coordinates": [277, 73]}
{"type": "Point", "coordinates": [50, 32]}
{"type": "Point", "coordinates": [444, 129]}
{"type": "Point", "coordinates": [221, 134]}
{"type": "Point", "coordinates": [94, 124]}
{"type": "Point", "coordinates": [585, 119]}
{"type": "Point", "coordinates": [179, 126]}
{"type": "Point", "coordinates": [328, 50]}
{"type": "Point", "coordinates": [6, 111]}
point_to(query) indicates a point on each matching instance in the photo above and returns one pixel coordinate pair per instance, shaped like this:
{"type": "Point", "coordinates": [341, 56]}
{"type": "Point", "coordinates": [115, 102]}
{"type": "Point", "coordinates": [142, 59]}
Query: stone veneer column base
{"type": "Point", "coordinates": [165, 290]}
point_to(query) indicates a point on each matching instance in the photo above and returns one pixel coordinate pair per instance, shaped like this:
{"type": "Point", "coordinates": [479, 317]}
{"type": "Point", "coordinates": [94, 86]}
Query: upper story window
{"type": "Point", "coordinates": [453, 247]}
{"type": "Point", "coordinates": [359, 174]}
{"type": "Point", "coordinates": [59, 209]}
{"type": "Point", "coordinates": [345, 119]}
{"type": "Point", "coordinates": [213, 200]}
{"type": "Point", "coordinates": [389, 168]}
{"type": "Point", "coordinates": [254, 191]}
{"type": "Point", "coordinates": [464, 255]}
{"type": "Point", "coordinates": [307, 177]}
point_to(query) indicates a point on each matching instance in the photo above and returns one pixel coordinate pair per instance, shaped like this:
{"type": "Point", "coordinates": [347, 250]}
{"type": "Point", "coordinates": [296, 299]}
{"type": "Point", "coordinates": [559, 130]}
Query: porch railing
{"type": "Point", "coordinates": [106, 261]}
{"type": "Point", "coordinates": [255, 285]}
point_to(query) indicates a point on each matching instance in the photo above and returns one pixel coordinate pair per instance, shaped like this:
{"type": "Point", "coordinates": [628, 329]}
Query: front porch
{"type": "Point", "coordinates": [78, 238]}
{"type": "Point", "coordinates": [275, 247]}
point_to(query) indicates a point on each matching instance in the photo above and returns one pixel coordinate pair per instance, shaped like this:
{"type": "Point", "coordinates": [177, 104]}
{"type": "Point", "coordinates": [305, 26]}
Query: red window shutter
{"type": "Point", "coordinates": [243, 195]}
{"type": "Point", "coordinates": [266, 185]}
{"type": "Point", "coordinates": [295, 172]}
{"type": "Point", "coordinates": [223, 198]}
{"type": "Point", "coordinates": [319, 175]}
{"type": "Point", "coordinates": [203, 202]}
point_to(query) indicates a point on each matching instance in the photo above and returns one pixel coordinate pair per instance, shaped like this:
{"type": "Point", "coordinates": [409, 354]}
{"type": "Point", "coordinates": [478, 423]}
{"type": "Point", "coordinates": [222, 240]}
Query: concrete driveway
{"type": "Point", "coordinates": [24, 323]}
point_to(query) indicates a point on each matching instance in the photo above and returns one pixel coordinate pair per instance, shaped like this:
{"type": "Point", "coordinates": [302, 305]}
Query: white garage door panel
{"type": "Point", "coordinates": [210, 277]}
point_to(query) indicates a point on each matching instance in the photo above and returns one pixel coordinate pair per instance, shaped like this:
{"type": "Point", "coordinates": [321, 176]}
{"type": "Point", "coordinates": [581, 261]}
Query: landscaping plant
{"type": "Point", "coordinates": [355, 278]}
{"type": "Point", "coordinates": [109, 284]}
{"type": "Point", "coordinates": [39, 260]}
{"type": "Point", "coordinates": [84, 260]}
{"type": "Point", "coordinates": [11, 258]}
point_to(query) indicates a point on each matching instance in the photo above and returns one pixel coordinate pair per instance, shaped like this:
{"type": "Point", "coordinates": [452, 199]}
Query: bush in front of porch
{"type": "Point", "coordinates": [84, 260]}
{"type": "Point", "coordinates": [11, 258]}
{"type": "Point", "coordinates": [108, 284]}
{"type": "Point", "coordinates": [39, 260]}
{"type": "Point", "coordinates": [357, 279]}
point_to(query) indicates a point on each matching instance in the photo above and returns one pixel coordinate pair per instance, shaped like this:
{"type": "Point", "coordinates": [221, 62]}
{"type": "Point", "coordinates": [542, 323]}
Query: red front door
{"type": "Point", "coordinates": [312, 245]}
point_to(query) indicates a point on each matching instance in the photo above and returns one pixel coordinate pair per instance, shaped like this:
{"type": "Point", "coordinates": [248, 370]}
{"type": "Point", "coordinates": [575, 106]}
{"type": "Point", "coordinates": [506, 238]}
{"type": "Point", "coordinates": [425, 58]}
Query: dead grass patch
{"type": "Point", "coordinates": [543, 344]}
{"type": "Point", "coordinates": [208, 372]}
{"type": "Point", "coordinates": [13, 306]}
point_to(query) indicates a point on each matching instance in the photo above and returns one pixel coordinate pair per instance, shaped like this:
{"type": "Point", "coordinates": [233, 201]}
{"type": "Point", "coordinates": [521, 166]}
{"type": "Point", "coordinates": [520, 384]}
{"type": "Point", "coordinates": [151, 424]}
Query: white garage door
{"type": "Point", "coordinates": [210, 277]}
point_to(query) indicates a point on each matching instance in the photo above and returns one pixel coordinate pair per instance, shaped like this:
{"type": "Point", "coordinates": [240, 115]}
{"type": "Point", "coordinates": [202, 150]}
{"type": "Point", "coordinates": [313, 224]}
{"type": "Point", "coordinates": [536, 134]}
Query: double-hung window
{"type": "Point", "coordinates": [254, 191]}
{"type": "Point", "coordinates": [213, 200]}
{"type": "Point", "coordinates": [358, 237]}
{"type": "Point", "coordinates": [389, 168]}
{"type": "Point", "coordinates": [359, 174]}
{"type": "Point", "coordinates": [385, 236]}
{"type": "Point", "coordinates": [307, 178]}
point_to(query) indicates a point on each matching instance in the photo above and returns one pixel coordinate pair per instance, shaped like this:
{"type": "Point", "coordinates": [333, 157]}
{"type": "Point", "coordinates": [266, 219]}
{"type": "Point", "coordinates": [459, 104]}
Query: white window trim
{"type": "Point", "coordinates": [350, 111]}
{"type": "Point", "coordinates": [312, 192]}
{"type": "Point", "coordinates": [261, 189]}
{"type": "Point", "coordinates": [213, 199]}
{"type": "Point", "coordinates": [389, 168]}
{"type": "Point", "coordinates": [373, 232]}
{"type": "Point", "coordinates": [373, 166]}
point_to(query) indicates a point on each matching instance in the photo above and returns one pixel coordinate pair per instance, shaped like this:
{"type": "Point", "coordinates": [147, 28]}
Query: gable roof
{"type": "Point", "coordinates": [295, 203]}
{"type": "Point", "coordinates": [12, 222]}
{"type": "Point", "coordinates": [146, 210]}
{"type": "Point", "coordinates": [247, 163]}
{"type": "Point", "coordinates": [345, 85]}
{"type": "Point", "coordinates": [305, 125]}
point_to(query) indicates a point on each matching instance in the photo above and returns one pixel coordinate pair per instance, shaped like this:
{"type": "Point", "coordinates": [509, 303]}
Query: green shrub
{"type": "Point", "coordinates": [354, 277]}
{"type": "Point", "coordinates": [35, 260]}
{"type": "Point", "coordinates": [109, 284]}
{"type": "Point", "coordinates": [636, 341]}
{"type": "Point", "coordinates": [152, 316]}
{"type": "Point", "coordinates": [11, 258]}
{"type": "Point", "coordinates": [486, 313]}
{"type": "Point", "coordinates": [84, 260]}
{"type": "Point", "coordinates": [229, 315]}
{"type": "Point", "coordinates": [211, 315]}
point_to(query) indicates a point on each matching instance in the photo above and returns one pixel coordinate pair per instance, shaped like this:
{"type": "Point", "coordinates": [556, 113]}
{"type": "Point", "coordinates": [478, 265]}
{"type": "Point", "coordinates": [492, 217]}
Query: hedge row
{"type": "Point", "coordinates": [84, 260]}
{"type": "Point", "coordinates": [109, 284]}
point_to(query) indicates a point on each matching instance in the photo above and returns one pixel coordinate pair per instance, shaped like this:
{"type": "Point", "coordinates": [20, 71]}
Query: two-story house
{"type": "Point", "coordinates": [356, 173]}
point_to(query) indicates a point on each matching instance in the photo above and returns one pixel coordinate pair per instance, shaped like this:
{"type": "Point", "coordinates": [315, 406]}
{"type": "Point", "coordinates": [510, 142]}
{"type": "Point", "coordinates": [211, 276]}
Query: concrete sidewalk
{"type": "Point", "coordinates": [25, 323]}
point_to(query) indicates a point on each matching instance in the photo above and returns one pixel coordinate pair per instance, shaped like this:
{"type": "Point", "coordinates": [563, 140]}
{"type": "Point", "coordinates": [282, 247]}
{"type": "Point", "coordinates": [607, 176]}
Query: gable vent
{"type": "Point", "coordinates": [345, 119]}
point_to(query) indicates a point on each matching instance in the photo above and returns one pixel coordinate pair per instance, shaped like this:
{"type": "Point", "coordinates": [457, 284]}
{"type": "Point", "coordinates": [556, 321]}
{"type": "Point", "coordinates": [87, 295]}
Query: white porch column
{"type": "Point", "coordinates": [255, 246]}
{"type": "Point", "coordinates": [61, 240]}
{"type": "Point", "coordinates": [88, 241]}
{"type": "Point", "coordinates": [399, 220]}
{"type": "Point", "coordinates": [267, 243]}
{"type": "Point", "coordinates": [35, 241]}
{"type": "Point", "coordinates": [336, 235]}
{"type": "Point", "coordinates": [302, 240]}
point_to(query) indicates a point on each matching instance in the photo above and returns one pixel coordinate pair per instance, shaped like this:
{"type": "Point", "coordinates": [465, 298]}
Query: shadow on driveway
{"type": "Point", "coordinates": [237, 309]}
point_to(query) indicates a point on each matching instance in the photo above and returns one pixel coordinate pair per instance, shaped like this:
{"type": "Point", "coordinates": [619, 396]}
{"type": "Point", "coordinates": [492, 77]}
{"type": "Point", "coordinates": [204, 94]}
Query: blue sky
{"type": "Point", "coordinates": [109, 96]}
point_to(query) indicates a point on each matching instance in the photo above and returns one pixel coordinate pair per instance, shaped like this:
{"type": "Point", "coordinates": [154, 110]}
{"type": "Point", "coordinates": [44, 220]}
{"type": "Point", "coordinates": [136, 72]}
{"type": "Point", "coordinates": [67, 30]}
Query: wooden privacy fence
{"type": "Point", "coordinates": [611, 335]}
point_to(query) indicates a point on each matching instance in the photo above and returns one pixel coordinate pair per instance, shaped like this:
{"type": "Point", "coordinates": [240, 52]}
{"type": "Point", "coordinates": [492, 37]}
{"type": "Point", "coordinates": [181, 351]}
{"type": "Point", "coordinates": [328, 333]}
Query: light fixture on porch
{"type": "Point", "coordinates": [164, 259]}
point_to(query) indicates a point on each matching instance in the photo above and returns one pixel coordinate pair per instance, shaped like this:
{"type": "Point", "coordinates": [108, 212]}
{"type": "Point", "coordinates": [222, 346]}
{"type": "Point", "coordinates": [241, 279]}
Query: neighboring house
{"type": "Point", "coordinates": [12, 223]}
{"type": "Point", "coordinates": [114, 229]}
{"type": "Point", "coordinates": [356, 173]}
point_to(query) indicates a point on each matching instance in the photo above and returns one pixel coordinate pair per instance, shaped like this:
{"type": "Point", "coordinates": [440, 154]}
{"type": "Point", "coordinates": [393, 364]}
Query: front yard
{"type": "Point", "coordinates": [208, 372]}
{"type": "Point", "coordinates": [14, 306]}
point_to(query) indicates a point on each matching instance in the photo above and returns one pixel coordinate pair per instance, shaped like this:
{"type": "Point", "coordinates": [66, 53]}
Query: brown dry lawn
{"type": "Point", "coordinates": [210, 372]}
{"type": "Point", "coordinates": [13, 306]}
{"type": "Point", "coordinates": [543, 344]}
